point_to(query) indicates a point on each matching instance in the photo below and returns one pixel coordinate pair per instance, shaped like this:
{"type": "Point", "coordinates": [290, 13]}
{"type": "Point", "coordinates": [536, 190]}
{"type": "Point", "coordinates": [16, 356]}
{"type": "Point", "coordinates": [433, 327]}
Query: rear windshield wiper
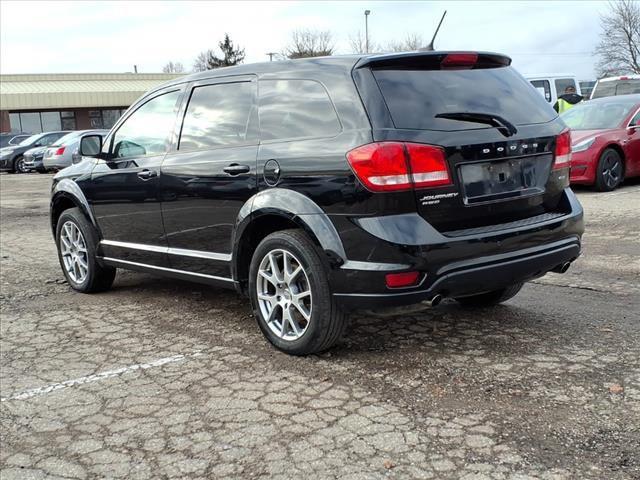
{"type": "Point", "coordinates": [504, 126]}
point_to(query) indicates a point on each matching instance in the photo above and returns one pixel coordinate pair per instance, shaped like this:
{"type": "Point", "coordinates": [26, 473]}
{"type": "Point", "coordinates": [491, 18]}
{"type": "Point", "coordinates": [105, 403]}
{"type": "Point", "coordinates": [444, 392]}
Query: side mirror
{"type": "Point", "coordinates": [90, 145]}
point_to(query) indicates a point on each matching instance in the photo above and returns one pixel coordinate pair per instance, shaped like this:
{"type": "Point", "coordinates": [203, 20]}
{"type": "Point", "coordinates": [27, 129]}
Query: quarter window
{"type": "Point", "coordinates": [563, 83]}
{"type": "Point", "coordinates": [147, 130]}
{"type": "Point", "coordinates": [219, 115]}
{"type": "Point", "coordinates": [295, 109]}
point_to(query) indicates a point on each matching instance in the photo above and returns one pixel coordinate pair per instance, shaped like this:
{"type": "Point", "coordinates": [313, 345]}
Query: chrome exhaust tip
{"type": "Point", "coordinates": [563, 267]}
{"type": "Point", "coordinates": [435, 300]}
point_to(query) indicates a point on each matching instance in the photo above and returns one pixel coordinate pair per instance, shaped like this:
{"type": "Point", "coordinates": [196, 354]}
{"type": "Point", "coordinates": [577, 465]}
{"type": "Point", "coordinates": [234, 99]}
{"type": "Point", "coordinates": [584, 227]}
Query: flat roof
{"type": "Point", "coordinates": [76, 90]}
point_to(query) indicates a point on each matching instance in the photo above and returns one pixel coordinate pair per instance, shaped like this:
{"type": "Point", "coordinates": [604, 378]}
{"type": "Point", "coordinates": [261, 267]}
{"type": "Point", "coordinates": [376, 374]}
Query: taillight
{"type": "Point", "coordinates": [395, 166]}
{"type": "Point", "coordinates": [563, 151]}
{"type": "Point", "coordinates": [59, 151]}
{"type": "Point", "coordinates": [459, 60]}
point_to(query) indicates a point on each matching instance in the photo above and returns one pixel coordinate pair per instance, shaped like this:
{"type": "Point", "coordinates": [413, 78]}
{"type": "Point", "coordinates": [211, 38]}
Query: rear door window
{"type": "Point", "coordinates": [219, 115]}
{"type": "Point", "coordinates": [415, 97]}
{"type": "Point", "coordinates": [543, 87]}
{"type": "Point", "coordinates": [296, 109]}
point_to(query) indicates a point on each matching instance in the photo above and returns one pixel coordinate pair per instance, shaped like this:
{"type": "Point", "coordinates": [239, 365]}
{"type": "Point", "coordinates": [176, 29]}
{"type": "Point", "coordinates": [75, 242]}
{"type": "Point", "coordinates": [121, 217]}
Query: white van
{"type": "Point", "coordinates": [552, 85]}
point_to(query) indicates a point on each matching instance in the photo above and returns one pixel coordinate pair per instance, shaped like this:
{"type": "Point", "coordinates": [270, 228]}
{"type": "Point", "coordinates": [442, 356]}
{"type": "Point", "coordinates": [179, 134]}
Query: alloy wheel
{"type": "Point", "coordinates": [73, 249]}
{"type": "Point", "coordinates": [284, 294]}
{"type": "Point", "coordinates": [611, 170]}
{"type": "Point", "coordinates": [20, 167]}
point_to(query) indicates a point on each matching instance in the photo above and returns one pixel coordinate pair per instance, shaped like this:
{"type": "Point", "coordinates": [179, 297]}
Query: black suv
{"type": "Point", "coordinates": [316, 186]}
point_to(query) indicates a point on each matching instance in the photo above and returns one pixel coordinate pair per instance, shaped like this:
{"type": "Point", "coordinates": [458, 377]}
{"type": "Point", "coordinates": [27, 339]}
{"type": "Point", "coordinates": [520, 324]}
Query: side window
{"type": "Point", "coordinates": [635, 121]}
{"type": "Point", "coordinates": [219, 115]}
{"type": "Point", "coordinates": [543, 87]}
{"type": "Point", "coordinates": [295, 109]}
{"type": "Point", "coordinates": [563, 83]}
{"type": "Point", "coordinates": [147, 130]}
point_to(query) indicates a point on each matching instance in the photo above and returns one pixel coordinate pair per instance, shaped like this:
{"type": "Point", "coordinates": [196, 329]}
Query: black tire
{"type": "Point", "coordinates": [98, 277]}
{"type": "Point", "coordinates": [489, 299]}
{"type": "Point", "coordinates": [18, 165]}
{"type": "Point", "coordinates": [610, 171]}
{"type": "Point", "coordinates": [327, 321]}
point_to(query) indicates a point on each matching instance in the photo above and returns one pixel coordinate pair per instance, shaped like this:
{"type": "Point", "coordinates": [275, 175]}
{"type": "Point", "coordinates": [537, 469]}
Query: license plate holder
{"type": "Point", "coordinates": [494, 180]}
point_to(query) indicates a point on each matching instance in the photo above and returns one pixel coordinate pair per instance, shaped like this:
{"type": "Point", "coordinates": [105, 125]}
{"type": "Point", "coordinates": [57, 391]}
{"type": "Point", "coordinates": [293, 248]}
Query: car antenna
{"type": "Point", "coordinates": [429, 48]}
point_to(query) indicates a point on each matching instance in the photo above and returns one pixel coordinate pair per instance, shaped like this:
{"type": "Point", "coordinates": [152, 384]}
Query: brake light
{"type": "Point", "coordinates": [397, 166]}
{"type": "Point", "coordinates": [459, 60]}
{"type": "Point", "coordinates": [404, 279]}
{"type": "Point", "coordinates": [563, 151]}
{"type": "Point", "coordinates": [59, 151]}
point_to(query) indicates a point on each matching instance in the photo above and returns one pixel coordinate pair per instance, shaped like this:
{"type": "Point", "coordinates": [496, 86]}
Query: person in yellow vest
{"type": "Point", "coordinates": [568, 100]}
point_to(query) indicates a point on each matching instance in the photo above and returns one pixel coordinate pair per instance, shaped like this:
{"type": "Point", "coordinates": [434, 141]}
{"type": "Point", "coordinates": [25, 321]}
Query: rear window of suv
{"type": "Point", "coordinates": [415, 97]}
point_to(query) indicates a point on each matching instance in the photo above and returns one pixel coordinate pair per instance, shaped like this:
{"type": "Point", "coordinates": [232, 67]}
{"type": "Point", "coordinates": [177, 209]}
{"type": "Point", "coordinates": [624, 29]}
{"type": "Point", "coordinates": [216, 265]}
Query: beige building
{"type": "Point", "coordinates": [75, 101]}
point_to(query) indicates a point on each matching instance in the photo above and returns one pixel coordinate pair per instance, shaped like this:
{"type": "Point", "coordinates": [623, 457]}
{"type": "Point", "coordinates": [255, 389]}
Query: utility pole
{"type": "Point", "coordinates": [271, 54]}
{"type": "Point", "coordinates": [135, 69]}
{"type": "Point", "coordinates": [366, 30]}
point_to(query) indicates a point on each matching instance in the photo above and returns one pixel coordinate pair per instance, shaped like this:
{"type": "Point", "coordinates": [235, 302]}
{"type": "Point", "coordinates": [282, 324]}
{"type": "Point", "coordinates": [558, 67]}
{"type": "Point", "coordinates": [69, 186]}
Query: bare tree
{"type": "Point", "coordinates": [208, 60]}
{"type": "Point", "coordinates": [413, 41]}
{"type": "Point", "coordinates": [619, 40]}
{"type": "Point", "coordinates": [309, 43]}
{"type": "Point", "coordinates": [358, 43]}
{"type": "Point", "coordinates": [173, 67]}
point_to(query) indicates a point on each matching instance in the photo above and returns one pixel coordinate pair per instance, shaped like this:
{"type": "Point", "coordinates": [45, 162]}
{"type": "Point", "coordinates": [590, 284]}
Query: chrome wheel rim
{"type": "Point", "coordinates": [612, 171]}
{"type": "Point", "coordinates": [74, 252]}
{"type": "Point", "coordinates": [284, 294]}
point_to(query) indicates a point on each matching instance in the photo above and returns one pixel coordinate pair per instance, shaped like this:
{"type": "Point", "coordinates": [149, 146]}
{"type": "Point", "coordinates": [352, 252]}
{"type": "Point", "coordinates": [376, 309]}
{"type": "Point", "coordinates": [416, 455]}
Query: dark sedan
{"type": "Point", "coordinates": [605, 137]}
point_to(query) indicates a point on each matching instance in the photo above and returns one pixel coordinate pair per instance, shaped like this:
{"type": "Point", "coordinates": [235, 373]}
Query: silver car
{"type": "Point", "coordinates": [64, 152]}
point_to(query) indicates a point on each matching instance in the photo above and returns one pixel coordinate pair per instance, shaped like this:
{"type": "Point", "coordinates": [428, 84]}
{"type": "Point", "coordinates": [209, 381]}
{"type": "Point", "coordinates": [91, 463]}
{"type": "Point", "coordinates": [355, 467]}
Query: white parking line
{"type": "Point", "coordinates": [97, 377]}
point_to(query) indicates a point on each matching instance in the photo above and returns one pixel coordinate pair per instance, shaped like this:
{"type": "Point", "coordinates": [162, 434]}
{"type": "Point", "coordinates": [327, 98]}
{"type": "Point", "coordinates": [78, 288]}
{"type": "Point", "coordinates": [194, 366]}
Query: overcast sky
{"type": "Point", "coordinates": [62, 37]}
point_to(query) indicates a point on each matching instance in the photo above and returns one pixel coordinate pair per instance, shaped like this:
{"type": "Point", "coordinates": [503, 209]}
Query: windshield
{"type": "Point", "coordinates": [66, 139]}
{"type": "Point", "coordinates": [597, 115]}
{"type": "Point", "coordinates": [31, 140]}
{"type": "Point", "coordinates": [416, 97]}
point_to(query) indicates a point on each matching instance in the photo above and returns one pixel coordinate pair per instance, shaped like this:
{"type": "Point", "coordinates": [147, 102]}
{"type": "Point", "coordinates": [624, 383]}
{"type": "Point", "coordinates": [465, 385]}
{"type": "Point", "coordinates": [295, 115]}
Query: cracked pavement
{"type": "Point", "coordinates": [159, 378]}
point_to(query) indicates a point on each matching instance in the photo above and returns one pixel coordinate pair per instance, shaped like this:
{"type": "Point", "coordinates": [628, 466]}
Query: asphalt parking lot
{"type": "Point", "coordinates": [160, 378]}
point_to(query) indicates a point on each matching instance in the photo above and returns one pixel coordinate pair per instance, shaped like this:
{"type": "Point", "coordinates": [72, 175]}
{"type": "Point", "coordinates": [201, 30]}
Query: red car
{"type": "Point", "coordinates": [605, 141]}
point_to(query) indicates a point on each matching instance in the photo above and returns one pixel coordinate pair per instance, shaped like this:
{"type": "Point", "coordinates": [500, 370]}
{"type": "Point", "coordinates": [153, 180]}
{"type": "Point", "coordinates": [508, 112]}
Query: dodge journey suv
{"type": "Point", "coordinates": [321, 185]}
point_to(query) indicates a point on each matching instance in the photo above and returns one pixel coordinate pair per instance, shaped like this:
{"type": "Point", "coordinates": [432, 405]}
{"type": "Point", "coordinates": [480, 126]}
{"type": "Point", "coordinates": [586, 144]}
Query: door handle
{"type": "Point", "coordinates": [147, 174]}
{"type": "Point", "coordinates": [235, 169]}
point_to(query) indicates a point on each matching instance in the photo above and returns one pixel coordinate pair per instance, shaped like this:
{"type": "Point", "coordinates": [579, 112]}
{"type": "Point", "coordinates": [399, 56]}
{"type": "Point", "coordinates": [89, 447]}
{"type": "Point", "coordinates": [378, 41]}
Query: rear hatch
{"type": "Point", "coordinates": [497, 135]}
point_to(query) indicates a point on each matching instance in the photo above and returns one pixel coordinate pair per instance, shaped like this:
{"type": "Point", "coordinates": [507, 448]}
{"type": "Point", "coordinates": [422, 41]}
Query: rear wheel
{"type": "Point", "coordinates": [77, 240]}
{"type": "Point", "coordinates": [610, 171]}
{"type": "Point", "coordinates": [489, 299]}
{"type": "Point", "coordinates": [290, 295]}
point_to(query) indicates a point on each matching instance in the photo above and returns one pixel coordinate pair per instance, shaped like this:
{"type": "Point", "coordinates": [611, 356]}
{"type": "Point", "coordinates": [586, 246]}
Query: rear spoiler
{"type": "Point", "coordinates": [424, 60]}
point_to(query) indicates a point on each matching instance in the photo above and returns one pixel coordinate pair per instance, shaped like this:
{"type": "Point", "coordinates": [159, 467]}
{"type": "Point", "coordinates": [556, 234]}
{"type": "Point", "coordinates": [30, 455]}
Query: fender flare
{"type": "Point", "coordinates": [296, 207]}
{"type": "Point", "coordinates": [67, 188]}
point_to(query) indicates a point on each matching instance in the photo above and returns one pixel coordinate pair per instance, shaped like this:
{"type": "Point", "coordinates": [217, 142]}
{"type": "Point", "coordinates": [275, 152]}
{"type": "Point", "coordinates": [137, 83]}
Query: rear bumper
{"type": "Point", "coordinates": [583, 168]}
{"type": "Point", "coordinates": [56, 163]}
{"type": "Point", "coordinates": [464, 265]}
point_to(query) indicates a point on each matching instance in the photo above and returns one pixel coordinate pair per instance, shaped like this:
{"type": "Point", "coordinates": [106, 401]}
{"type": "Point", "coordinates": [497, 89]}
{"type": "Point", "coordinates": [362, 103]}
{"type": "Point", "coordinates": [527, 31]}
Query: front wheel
{"type": "Point", "coordinates": [290, 295]}
{"type": "Point", "coordinates": [19, 166]}
{"type": "Point", "coordinates": [77, 241]}
{"type": "Point", "coordinates": [492, 298]}
{"type": "Point", "coordinates": [610, 171]}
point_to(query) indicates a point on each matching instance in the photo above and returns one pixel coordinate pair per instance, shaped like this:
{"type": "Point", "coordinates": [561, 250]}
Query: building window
{"type": "Point", "coordinates": [104, 118]}
{"type": "Point", "coordinates": [37, 122]}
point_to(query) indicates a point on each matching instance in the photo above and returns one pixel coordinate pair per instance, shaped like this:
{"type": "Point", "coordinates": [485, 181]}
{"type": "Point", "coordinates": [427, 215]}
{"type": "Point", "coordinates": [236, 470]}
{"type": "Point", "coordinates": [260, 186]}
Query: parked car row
{"type": "Point", "coordinates": [42, 152]}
